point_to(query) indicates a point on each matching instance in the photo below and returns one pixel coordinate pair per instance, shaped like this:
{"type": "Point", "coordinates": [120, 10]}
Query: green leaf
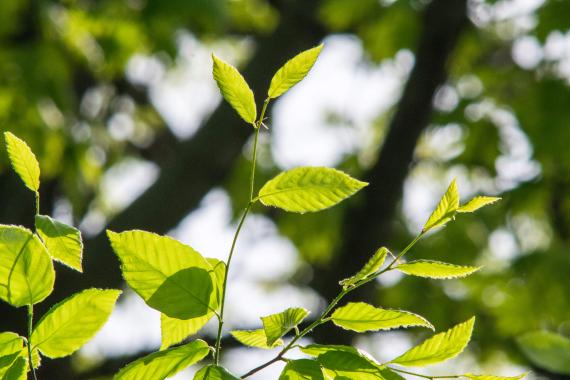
{"type": "Point", "coordinates": [63, 242]}
{"type": "Point", "coordinates": [372, 266]}
{"type": "Point", "coordinates": [439, 347]}
{"type": "Point", "coordinates": [445, 210]}
{"type": "Point", "coordinates": [163, 364]}
{"type": "Point", "coordinates": [70, 324]}
{"type": "Point", "coordinates": [171, 277]}
{"type": "Point", "coordinates": [26, 270]}
{"type": "Point", "coordinates": [7, 361]}
{"type": "Point", "coordinates": [547, 350]}
{"type": "Point", "coordinates": [491, 377]}
{"type": "Point", "coordinates": [308, 189]}
{"type": "Point", "coordinates": [255, 338]}
{"type": "Point", "coordinates": [23, 161]}
{"type": "Point", "coordinates": [302, 369]}
{"type": "Point", "coordinates": [436, 269]}
{"type": "Point", "coordinates": [18, 370]}
{"type": "Point", "coordinates": [175, 330]}
{"type": "Point", "coordinates": [293, 71]}
{"type": "Point", "coordinates": [235, 89]}
{"type": "Point", "coordinates": [277, 325]}
{"type": "Point", "coordinates": [10, 343]}
{"type": "Point", "coordinates": [360, 317]}
{"type": "Point", "coordinates": [212, 372]}
{"type": "Point", "coordinates": [340, 365]}
{"type": "Point", "coordinates": [476, 203]}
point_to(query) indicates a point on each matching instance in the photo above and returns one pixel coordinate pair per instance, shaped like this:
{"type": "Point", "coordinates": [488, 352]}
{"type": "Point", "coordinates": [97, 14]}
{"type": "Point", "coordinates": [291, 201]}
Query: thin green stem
{"type": "Point", "coordinates": [253, 164]}
{"type": "Point", "coordinates": [29, 341]}
{"type": "Point", "coordinates": [37, 194]}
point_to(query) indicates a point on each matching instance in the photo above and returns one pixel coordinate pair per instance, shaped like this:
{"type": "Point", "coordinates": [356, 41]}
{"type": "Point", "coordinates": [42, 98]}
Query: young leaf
{"type": "Point", "coordinates": [63, 242]}
{"type": "Point", "coordinates": [163, 364]}
{"type": "Point", "coordinates": [369, 268]}
{"type": "Point", "coordinates": [171, 277]}
{"type": "Point", "coordinates": [175, 330]}
{"type": "Point", "coordinates": [435, 269]}
{"type": "Point", "coordinates": [445, 210]}
{"type": "Point", "coordinates": [23, 161]}
{"type": "Point", "coordinates": [293, 71]}
{"type": "Point", "coordinates": [277, 325]}
{"type": "Point", "coordinates": [7, 361]}
{"type": "Point", "coordinates": [308, 189]}
{"type": "Point", "coordinates": [235, 89]}
{"type": "Point", "coordinates": [302, 369]}
{"type": "Point", "coordinates": [476, 203]}
{"type": "Point", "coordinates": [347, 365]}
{"type": "Point", "coordinates": [547, 350]}
{"type": "Point", "coordinates": [26, 270]}
{"type": "Point", "coordinates": [10, 343]}
{"type": "Point", "coordinates": [490, 377]}
{"type": "Point", "coordinates": [71, 323]}
{"type": "Point", "coordinates": [360, 317]}
{"type": "Point", "coordinates": [212, 372]}
{"type": "Point", "coordinates": [255, 338]}
{"type": "Point", "coordinates": [439, 347]}
{"type": "Point", "coordinates": [18, 370]}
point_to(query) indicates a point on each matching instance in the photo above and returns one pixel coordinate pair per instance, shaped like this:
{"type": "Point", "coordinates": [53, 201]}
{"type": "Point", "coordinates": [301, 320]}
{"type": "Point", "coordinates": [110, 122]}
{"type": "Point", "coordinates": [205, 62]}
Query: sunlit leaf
{"type": "Point", "coordinates": [6, 362]}
{"type": "Point", "coordinates": [277, 325]}
{"type": "Point", "coordinates": [346, 365]}
{"type": "Point", "coordinates": [547, 350]}
{"type": "Point", "coordinates": [438, 348]}
{"type": "Point", "coordinates": [10, 342]}
{"type": "Point", "coordinates": [212, 372]}
{"type": "Point", "coordinates": [445, 210]}
{"type": "Point", "coordinates": [436, 269]}
{"type": "Point", "coordinates": [293, 71]}
{"type": "Point", "coordinates": [63, 242]}
{"type": "Point", "coordinates": [23, 161]}
{"type": "Point", "coordinates": [302, 369]}
{"type": "Point", "coordinates": [476, 203]}
{"type": "Point", "coordinates": [171, 277]}
{"type": "Point", "coordinates": [369, 268]}
{"type": "Point", "coordinates": [308, 189]}
{"type": "Point", "coordinates": [360, 317]}
{"type": "Point", "coordinates": [26, 270]}
{"type": "Point", "coordinates": [255, 338]}
{"type": "Point", "coordinates": [71, 323]}
{"type": "Point", "coordinates": [235, 89]}
{"type": "Point", "coordinates": [491, 377]}
{"type": "Point", "coordinates": [18, 370]}
{"type": "Point", "coordinates": [163, 364]}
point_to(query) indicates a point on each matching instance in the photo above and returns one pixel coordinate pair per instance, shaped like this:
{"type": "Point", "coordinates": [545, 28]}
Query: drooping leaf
{"type": "Point", "coordinates": [163, 364]}
{"type": "Point", "coordinates": [70, 324]}
{"type": "Point", "coordinates": [255, 338]}
{"type": "Point", "coordinates": [17, 371]}
{"type": "Point", "coordinates": [293, 71]}
{"type": "Point", "coordinates": [436, 269]}
{"type": "Point", "coordinates": [277, 325]}
{"type": "Point", "coordinates": [302, 369]}
{"type": "Point", "coordinates": [445, 210]}
{"type": "Point", "coordinates": [212, 372]}
{"type": "Point", "coordinates": [360, 317]}
{"type": "Point", "coordinates": [308, 189]}
{"type": "Point", "coordinates": [369, 268]}
{"type": "Point", "coordinates": [235, 89]}
{"type": "Point", "coordinates": [439, 347]}
{"type": "Point", "coordinates": [547, 350]}
{"type": "Point", "coordinates": [63, 242]}
{"type": "Point", "coordinates": [491, 377]}
{"type": "Point", "coordinates": [175, 330]}
{"type": "Point", "coordinates": [476, 203]}
{"type": "Point", "coordinates": [26, 270]}
{"type": "Point", "coordinates": [23, 161]}
{"type": "Point", "coordinates": [171, 277]}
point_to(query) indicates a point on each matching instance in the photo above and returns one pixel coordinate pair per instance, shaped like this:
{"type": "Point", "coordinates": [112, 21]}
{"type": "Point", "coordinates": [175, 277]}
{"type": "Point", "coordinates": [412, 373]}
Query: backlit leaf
{"type": "Point", "coordinates": [255, 338]}
{"type": "Point", "coordinates": [26, 270]}
{"type": "Point", "coordinates": [476, 203]}
{"type": "Point", "coordinates": [71, 323]}
{"type": "Point", "coordinates": [63, 242]}
{"type": "Point", "coordinates": [439, 347]}
{"type": "Point", "coordinates": [235, 89]}
{"type": "Point", "coordinates": [346, 365]}
{"type": "Point", "coordinates": [369, 268]}
{"type": "Point", "coordinates": [23, 161]}
{"type": "Point", "coordinates": [212, 372]}
{"type": "Point", "coordinates": [277, 325]}
{"type": "Point", "coordinates": [436, 269]}
{"type": "Point", "coordinates": [490, 377]}
{"type": "Point", "coordinates": [308, 189]}
{"type": "Point", "coordinates": [18, 370]}
{"type": "Point", "coordinates": [547, 350]}
{"type": "Point", "coordinates": [171, 277]}
{"type": "Point", "coordinates": [445, 210]}
{"type": "Point", "coordinates": [163, 364]}
{"type": "Point", "coordinates": [360, 317]}
{"type": "Point", "coordinates": [302, 369]}
{"type": "Point", "coordinates": [293, 71]}
{"type": "Point", "coordinates": [10, 342]}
